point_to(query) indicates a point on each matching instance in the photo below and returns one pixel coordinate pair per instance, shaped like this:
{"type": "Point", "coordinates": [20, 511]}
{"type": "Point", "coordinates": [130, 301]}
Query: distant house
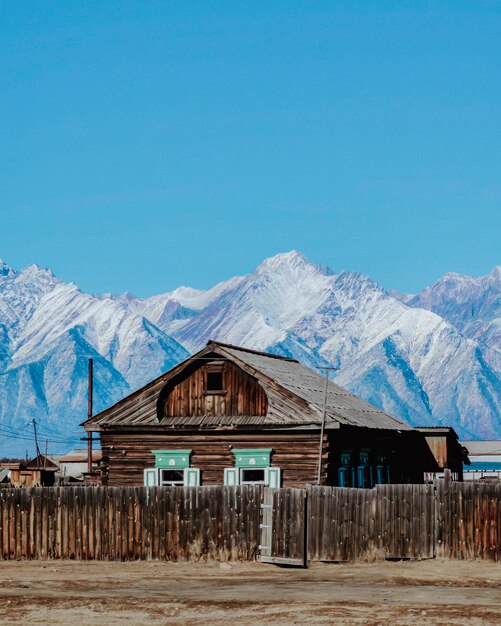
{"type": "Point", "coordinates": [485, 460]}
{"type": "Point", "coordinates": [74, 464]}
{"type": "Point", "coordinates": [39, 472]}
{"type": "Point", "coordinates": [231, 415]}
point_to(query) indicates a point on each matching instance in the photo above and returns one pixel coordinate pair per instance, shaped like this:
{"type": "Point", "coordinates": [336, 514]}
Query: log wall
{"type": "Point", "coordinates": [127, 454]}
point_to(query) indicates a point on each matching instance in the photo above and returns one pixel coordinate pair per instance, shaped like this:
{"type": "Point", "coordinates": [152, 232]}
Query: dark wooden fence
{"type": "Point", "coordinates": [390, 521]}
{"type": "Point", "coordinates": [284, 527]}
{"type": "Point", "coordinates": [122, 524]}
{"type": "Point", "coordinates": [445, 520]}
{"type": "Point", "coordinates": [473, 521]}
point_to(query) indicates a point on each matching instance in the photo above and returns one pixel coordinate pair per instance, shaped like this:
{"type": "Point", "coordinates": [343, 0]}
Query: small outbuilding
{"type": "Point", "coordinates": [447, 451]}
{"type": "Point", "coordinates": [231, 415]}
{"type": "Point", "coordinates": [39, 472]}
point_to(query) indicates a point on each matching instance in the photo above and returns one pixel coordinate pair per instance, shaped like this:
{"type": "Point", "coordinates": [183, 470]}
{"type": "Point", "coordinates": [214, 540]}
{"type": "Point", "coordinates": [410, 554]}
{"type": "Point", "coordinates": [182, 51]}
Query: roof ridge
{"type": "Point", "coordinates": [258, 352]}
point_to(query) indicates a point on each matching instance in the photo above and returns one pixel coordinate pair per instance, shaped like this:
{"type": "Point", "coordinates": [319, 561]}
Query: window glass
{"type": "Point", "coordinates": [251, 475]}
{"type": "Point", "coordinates": [171, 477]}
{"type": "Point", "coordinates": [214, 381]}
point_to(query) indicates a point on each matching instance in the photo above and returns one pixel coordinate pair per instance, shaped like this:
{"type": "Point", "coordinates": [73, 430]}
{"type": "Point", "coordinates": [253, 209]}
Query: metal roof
{"type": "Point", "coordinates": [483, 447]}
{"type": "Point", "coordinates": [437, 430]}
{"type": "Point", "coordinates": [78, 456]}
{"type": "Point", "coordinates": [295, 398]}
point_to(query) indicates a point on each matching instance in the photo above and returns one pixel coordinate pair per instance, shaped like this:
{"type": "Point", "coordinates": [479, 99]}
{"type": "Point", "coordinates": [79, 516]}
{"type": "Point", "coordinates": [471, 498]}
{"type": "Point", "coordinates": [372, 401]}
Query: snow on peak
{"type": "Point", "coordinates": [182, 294]}
{"type": "Point", "coordinates": [293, 256]}
{"type": "Point", "coordinates": [34, 270]}
{"type": "Point", "coordinates": [495, 274]}
{"type": "Point", "coordinates": [293, 259]}
{"type": "Point", "coordinates": [198, 299]}
{"type": "Point", "coordinates": [471, 304]}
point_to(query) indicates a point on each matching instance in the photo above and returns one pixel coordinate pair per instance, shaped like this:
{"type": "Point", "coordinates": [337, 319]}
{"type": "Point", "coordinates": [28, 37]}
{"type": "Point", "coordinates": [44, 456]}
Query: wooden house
{"type": "Point", "coordinates": [484, 460]}
{"type": "Point", "coordinates": [73, 465]}
{"type": "Point", "coordinates": [39, 472]}
{"type": "Point", "coordinates": [231, 415]}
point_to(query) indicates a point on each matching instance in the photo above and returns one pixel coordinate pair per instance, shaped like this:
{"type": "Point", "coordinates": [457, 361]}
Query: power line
{"type": "Point", "coordinates": [70, 441]}
{"type": "Point", "coordinates": [60, 439]}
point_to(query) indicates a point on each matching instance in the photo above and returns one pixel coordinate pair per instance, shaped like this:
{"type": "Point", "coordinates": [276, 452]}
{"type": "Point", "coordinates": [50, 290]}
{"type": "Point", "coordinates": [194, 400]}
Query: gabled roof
{"type": "Point", "coordinates": [42, 462]}
{"type": "Point", "coordinates": [295, 398]}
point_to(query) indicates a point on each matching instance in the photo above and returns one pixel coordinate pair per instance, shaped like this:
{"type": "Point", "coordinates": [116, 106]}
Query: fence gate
{"type": "Point", "coordinates": [283, 527]}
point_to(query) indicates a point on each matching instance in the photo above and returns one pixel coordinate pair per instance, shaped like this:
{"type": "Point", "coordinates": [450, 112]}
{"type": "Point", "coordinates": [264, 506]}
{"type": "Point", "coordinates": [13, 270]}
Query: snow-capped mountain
{"type": "Point", "coordinates": [423, 358]}
{"type": "Point", "coordinates": [48, 330]}
{"type": "Point", "coordinates": [471, 304]}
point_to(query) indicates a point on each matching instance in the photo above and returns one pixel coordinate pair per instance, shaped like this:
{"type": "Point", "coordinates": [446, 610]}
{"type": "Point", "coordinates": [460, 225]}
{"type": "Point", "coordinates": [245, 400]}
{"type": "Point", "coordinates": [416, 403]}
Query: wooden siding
{"type": "Point", "coordinates": [127, 453]}
{"type": "Point", "coordinates": [241, 394]}
{"type": "Point", "coordinates": [447, 452]}
{"type": "Point", "coordinates": [438, 447]}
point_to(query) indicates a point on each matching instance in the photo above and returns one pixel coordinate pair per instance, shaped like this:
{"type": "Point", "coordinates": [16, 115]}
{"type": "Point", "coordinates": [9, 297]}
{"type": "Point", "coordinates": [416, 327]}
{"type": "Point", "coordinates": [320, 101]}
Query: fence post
{"type": "Point", "coordinates": [306, 538]}
{"type": "Point", "coordinates": [442, 532]}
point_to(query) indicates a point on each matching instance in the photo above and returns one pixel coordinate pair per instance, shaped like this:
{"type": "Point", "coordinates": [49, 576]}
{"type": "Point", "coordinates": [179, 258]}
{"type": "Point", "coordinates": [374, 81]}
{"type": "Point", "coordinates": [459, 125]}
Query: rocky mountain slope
{"type": "Point", "coordinates": [431, 358]}
{"type": "Point", "coordinates": [473, 305]}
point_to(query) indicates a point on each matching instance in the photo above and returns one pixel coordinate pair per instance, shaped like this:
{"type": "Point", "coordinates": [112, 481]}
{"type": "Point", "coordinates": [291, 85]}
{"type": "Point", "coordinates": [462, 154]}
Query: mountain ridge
{"type": "Point", "coordinates": [431, 358]}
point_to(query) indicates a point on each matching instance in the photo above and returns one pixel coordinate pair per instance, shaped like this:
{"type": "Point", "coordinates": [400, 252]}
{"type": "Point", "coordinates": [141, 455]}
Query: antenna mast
{"type": "Point", "coordinates": [320, 450]}
{"type": "Point", "coordinates": [89, 414]}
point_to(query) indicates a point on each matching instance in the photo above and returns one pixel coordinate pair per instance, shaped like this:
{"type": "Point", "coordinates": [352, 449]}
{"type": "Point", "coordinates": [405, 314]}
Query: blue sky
{"type": "Point", "coordinates": [144, 145]}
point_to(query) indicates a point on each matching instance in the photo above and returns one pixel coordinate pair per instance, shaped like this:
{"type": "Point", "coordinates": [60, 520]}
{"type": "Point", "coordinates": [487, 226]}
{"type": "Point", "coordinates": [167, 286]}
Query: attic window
{"type": "Point", "coordinates": [214, 381]}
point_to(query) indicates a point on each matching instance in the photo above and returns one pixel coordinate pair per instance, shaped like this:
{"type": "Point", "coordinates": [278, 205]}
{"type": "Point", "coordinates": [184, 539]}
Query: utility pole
{"type": "Point", "coordinates": [90, 383]}
{"type": "Point", "coordinates": [322, 429]}
{"type": "Point", "coordinates": [37, 449]}
{"type": "Point", "coordinates": [46, 452]}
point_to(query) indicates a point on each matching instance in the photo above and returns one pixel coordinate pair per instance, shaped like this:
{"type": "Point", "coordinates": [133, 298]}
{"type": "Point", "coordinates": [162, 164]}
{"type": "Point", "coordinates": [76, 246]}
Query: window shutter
{"type": "Point", "coordinates": [191, 477]}
{"type": "Point", "coordinates": [150, 477]}
{"type": "Point", "coordinates": [231, 476]}
{"type": "Point", "coordinates": [272, 477]}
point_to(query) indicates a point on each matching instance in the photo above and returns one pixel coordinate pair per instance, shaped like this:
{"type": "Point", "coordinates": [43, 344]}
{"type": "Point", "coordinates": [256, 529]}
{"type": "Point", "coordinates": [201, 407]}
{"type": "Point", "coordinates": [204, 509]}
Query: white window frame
{"type": "Point", "coordinates": [272, 476]}
{"type": "Point", "coordinates": [231, 476]}
{"type": "Point", "coordinates": [153, 477]}
{"type": "Point", "coordinates": [170, 483]}
{"type": "Point", "coordinates": [150, 477]}
{"type": "Point", "coordinates": [192, 477]}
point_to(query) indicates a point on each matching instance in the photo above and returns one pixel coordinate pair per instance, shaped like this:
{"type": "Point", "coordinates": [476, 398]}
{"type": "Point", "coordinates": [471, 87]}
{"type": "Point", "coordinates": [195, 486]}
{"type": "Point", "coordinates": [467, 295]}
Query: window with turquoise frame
{"type": "Point", "coordinates": [252, 467]}
{"type": "Point", "coordinates": [172, 468]}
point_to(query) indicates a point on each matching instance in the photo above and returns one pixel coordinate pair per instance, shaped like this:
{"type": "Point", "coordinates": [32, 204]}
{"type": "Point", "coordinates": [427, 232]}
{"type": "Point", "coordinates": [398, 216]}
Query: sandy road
{"type": "Point", "coordinates": [400, 593]}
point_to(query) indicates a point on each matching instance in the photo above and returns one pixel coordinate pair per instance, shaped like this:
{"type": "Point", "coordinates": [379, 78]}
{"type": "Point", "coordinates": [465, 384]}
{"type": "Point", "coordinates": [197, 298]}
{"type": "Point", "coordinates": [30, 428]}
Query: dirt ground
{"type": "Point", "coordinates": [400, 593]}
